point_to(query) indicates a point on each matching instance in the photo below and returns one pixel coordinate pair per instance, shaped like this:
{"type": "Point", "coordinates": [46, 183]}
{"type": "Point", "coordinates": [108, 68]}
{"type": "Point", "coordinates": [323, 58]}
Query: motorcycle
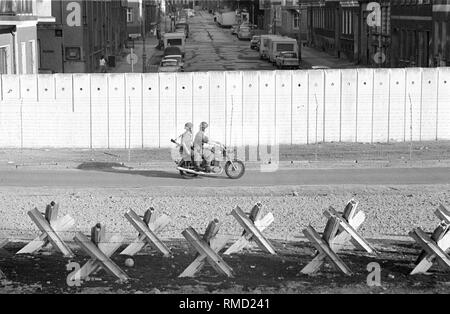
{"type": "Point", "coordinates": [233, 167]}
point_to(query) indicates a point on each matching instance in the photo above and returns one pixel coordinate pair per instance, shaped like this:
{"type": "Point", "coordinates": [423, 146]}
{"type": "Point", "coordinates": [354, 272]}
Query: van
{"type": "Point", "coordinates": [264, 44]}
{"type": "Point", "coordinates": [175, 40]}
{"type": "Point", "coordinates": [281, 44]}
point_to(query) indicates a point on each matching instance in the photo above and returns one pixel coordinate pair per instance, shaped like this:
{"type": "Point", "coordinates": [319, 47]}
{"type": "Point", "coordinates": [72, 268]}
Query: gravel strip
{"type": "Point", "coordinates": [391, 211]}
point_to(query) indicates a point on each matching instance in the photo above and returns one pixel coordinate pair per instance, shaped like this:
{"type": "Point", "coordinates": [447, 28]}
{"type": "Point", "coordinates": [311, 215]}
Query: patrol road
{"type": "Point", "coordinates": [125, 178]}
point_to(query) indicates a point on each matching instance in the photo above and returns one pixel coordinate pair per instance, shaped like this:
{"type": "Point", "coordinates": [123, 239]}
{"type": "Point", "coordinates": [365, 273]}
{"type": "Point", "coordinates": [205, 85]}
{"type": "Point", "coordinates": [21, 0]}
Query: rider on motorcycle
{"type": "Point", "coordinates": [187, 143]}
{"type": "Point", "coordinates": [200, 152]}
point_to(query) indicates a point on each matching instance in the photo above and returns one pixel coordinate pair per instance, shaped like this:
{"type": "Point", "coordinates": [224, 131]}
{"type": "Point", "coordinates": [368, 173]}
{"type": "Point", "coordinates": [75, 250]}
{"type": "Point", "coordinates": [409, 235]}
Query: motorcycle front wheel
{"type": "Point", "coordinates": [235, 169]}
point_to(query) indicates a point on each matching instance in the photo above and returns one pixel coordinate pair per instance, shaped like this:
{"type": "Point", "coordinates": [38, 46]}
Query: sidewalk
{"type": "Point", "coordinates": [122, 66]}
{"type": "Point", "coordinates": [329, 155]}
{"type": "Point", "coordinates": [313, 57]}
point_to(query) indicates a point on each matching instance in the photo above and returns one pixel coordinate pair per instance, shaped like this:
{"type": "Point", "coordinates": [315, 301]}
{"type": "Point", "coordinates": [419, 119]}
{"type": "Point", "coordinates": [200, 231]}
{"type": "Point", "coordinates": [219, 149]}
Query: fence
{"type": "Point", "coordinates": [242, 108]}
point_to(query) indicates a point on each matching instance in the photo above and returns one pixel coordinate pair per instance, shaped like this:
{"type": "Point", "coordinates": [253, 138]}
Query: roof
{"type": "Point", "coordinates": [284, 39]}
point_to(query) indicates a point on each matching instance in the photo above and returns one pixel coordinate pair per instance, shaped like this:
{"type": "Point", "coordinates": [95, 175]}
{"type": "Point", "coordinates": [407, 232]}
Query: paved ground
{"type": "Point", "coordinates": [313, 57]}
{"type": "Point", "coordinates": [94, 175]}
{"type": "Point", "coordinates": [212, 48]}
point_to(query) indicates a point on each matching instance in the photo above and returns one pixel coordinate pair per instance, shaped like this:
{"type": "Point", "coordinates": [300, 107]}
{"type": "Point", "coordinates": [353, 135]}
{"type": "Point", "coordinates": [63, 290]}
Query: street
{"type": "Point", "coordinates": [129, 178]}
{"type": "Point", "coordinates": [212, 48]}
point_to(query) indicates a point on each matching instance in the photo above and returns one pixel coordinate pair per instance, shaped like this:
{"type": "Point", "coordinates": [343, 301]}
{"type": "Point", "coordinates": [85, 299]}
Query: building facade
{"type": "Point", "coordinates": [441, 33]}
{"type": "Point", "coordinates": [134, 20]}
{"type": "Point", "coordinates": [19, 20]}
{"type": "Point", "coordinates": [83, 31]}
{"type": "Point", "coordinates": [412, 33]}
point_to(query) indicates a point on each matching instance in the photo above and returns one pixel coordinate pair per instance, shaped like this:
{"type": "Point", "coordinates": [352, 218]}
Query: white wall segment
{"type": "Point", "coordinates": [397, 105]}
{"type": "Point", "coordinates": [299, 107]}
{"type": "Point", "coordinates": [332, 109]}
{"type": "Point", "coordinates": [117, 111]}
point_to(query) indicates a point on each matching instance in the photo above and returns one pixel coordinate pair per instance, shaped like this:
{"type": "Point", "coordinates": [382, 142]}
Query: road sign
{"type": "Point", "coordinates": [132, 58]}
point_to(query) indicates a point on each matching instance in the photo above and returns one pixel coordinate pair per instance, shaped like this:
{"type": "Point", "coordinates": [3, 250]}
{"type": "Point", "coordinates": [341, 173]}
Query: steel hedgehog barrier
{"type": "Point", "coordinates": [51, 227]}
{"type": "Point", "coordinates": [208, 248]}
{"type": "Point", "coordinates": [2, 244]}
{"type": "Point", "coordinates": [100, 250]}
{"type": "Point", "coordinates": [434, 247]}
{"type": "Point", "coordinates": [341, 228]}
{"type": "Point", "coordinates": [147, 227]}
{"type": "Point", "coordinates": [253, 228]}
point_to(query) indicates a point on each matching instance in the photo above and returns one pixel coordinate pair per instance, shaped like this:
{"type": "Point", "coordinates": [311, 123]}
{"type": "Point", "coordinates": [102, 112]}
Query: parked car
{"type": "Point", "coordinates": [172, 51]}
{"type": "Point", "coordinates": [179, 58]}
{"type": "Point", "coordinates": [287, 59]}
{"type": "Point", "coordinates": [170, 65]}
{"type": "Point", "coordinates": [182, 24]}
{"type": "Point", "coordinates": [254, 43]}
{"type": "Point", "coordinates": [189, 12]}
{"type": "Point", "coordinates": [244, 33]}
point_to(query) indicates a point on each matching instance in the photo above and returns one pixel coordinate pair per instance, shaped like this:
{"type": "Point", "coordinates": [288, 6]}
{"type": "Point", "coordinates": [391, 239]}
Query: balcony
{"type": "Point", "coordinates": [16, 7]}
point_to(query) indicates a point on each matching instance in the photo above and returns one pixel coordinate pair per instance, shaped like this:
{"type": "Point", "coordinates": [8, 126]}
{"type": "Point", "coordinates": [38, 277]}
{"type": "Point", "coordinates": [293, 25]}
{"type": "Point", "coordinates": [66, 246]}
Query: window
{"type": "Point", "coordinates": [296, 20]}
{"type": "Point", "coordinates": [129, 15]}
{"type": "Point", "coordinates": [32, 54]}
{"type": "Point", "coordinates": [285, 47]}
{"type": "Point", "coordinates": [175, 42]}
{"type": "Point", "coordinates": [73, 53]}
{"type": "Point", "coordinates": [4, 56]}
{"type": "Point", "coordinates": [444, 36]}
{"type": "Point", "coordinates": [24, 57]}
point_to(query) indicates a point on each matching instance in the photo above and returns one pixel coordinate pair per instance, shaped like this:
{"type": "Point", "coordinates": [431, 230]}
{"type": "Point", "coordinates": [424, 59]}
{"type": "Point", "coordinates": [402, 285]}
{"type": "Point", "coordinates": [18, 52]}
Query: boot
{"type": "Point", "coordinates": [197, 166]}
{"type": "Point", "coordinates": [207, 169]}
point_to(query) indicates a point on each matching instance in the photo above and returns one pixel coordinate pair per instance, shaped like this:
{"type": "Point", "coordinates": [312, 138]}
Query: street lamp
{"type": "Point", "coordinates": [144, 55]}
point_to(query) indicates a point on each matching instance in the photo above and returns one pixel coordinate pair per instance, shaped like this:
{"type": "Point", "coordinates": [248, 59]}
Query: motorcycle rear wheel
{"type": "Point", "coordinates": [235, 169]}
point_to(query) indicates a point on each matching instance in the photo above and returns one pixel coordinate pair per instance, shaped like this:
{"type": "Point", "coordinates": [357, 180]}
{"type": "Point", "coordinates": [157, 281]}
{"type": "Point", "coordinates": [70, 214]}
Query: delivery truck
{"type": "Point", "coordinates": [278, 45]}
{"type": "Point", "coordinates": [227, 19]}
{"type": "Point", "coordinates": [264, 45]}
{"type": "Point", "coordinates": [177, 39]}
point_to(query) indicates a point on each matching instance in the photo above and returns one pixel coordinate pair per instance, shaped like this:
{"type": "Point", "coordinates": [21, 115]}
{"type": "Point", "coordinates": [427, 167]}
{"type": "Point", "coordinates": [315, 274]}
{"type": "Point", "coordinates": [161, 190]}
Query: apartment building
{"type": "Point", "coordinates": [83, 31]}
{"type": "Point", "coordinates": [19, 20]}
{"type": "Point", "coordinates": [441, 33]}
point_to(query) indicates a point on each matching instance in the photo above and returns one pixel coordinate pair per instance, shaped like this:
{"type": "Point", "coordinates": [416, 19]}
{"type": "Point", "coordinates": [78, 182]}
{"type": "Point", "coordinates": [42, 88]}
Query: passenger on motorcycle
{"type": "Point", "coordinates": [187, 143]}
{"type": "Point", "coordinates": [200, 152]}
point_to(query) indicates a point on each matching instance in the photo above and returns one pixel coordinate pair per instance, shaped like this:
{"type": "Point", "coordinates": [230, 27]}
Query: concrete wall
{"type": "Point", "coordinates": [242, 108]}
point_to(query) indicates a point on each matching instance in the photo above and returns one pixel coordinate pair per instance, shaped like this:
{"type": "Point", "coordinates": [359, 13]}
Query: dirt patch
{"type": "Point", "coordinates": [255, 272]}
{"type": "Point", "coordinates": [325, 152]}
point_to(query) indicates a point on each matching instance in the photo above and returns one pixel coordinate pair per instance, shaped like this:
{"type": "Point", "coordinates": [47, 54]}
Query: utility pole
{"type": "Point", "coordinates": [274, 20]}
{"type": "Point", "coordinates": [144, 56]}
